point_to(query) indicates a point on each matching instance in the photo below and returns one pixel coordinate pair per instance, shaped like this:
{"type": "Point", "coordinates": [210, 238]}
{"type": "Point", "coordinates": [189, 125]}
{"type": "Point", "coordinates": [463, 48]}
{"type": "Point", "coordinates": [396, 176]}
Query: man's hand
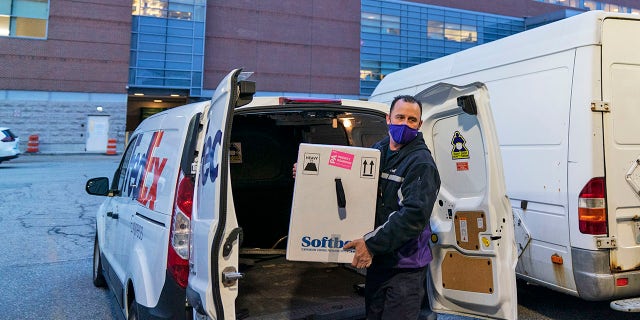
{"type": "Point", "coordinates": [362, 257]}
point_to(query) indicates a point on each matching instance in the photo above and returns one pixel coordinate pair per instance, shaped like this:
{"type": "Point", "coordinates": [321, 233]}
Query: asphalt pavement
{"type": "Point", "coordinates": [48, 224]}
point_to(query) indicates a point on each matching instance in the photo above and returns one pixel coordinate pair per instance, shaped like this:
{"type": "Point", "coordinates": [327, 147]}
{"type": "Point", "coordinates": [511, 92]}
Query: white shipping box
{"type": "Point", "coordinates": [334, 201]}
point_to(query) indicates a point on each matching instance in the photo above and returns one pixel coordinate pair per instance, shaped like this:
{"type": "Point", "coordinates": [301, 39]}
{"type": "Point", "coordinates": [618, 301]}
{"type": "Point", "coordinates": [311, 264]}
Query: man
{"type": "Point", "coordinates": [397, 252]}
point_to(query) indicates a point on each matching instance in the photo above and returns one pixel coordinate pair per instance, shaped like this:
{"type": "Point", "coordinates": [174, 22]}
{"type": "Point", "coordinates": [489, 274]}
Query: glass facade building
{"type": "Point", "coordinates": [167, 45]}
{"type": "Point", "coordinates": [397, 34]}
{"type": "Point", "coordinates": [594, 5]}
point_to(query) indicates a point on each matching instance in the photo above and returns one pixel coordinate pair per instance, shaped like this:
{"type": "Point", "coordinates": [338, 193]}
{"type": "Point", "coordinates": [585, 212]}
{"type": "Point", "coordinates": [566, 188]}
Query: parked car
{"type": "Point", "coordinates": [8, 145]}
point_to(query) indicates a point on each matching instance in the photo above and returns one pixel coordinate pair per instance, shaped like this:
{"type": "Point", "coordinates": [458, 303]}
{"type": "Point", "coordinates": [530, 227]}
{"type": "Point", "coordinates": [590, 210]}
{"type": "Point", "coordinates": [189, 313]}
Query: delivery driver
{"type": "Point", "coordinates": [397, 252]}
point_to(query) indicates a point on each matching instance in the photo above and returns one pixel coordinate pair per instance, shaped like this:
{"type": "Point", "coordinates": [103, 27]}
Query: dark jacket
{"type": "Point", "coordinates": [407, 190]}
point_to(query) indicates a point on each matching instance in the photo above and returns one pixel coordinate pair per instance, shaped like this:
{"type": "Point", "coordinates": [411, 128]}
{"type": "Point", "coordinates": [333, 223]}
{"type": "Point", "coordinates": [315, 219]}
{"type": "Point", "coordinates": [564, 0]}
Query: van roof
{"type": "Point", "coordinates": [577, 31]}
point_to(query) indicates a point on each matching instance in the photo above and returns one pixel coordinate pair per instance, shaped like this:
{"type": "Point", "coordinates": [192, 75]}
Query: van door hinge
{"type": "Point", "coordinates": [600, 106]}
{"type": "Point", "coordinates": [606, 242]}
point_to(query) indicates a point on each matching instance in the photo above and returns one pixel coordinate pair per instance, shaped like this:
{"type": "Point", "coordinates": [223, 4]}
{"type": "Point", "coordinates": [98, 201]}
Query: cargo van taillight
{"type": "Point", "coordinates": [178, 256]}
{"type": "Point", "coordinates": [592, 213]}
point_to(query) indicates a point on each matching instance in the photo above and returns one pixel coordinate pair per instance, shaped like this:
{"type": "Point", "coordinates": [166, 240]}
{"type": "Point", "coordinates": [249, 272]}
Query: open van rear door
{"type": "Point", "coordinates": [213, 285]}
{"type": "Point", "coordinates": [620, 76]}
{"type": "Point", "coordinates": [473, 246]}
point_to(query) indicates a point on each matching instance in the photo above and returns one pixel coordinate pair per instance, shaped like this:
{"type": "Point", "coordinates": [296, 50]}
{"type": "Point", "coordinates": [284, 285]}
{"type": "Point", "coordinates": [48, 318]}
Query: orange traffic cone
{"type": "Point", "coordinates": [111, 147]}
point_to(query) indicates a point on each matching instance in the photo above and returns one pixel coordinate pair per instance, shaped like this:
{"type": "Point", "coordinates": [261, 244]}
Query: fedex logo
{"type": "Point", "coordinates": [145, 170]}
{"type": "Point", "coordinates": [210, 165]}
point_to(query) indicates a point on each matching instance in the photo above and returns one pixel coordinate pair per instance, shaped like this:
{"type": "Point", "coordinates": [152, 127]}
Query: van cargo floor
{"type": "Point", "coordinates": [281, 289]}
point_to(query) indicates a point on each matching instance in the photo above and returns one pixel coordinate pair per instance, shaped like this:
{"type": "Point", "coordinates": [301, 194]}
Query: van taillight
{"type": "Point", "coordinates": [592, 213]}
{"type": "Point", "coordinates": [178, 256]}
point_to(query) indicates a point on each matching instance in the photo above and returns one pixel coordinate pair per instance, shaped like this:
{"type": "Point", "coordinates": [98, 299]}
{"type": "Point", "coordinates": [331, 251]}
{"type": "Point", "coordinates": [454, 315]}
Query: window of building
{"type": "Point", "coordinates": [24, 18]}
{"type": "Point", "coordinates": [451, 31]}
{"type": "Point", "coordinates": [170, 9]}
{"type": "Point", "coordinates": [613, 8]}
{"type": "Point", "coordinates": [435, 29]}
{"type": "Point", "coordinates": [380, 23]}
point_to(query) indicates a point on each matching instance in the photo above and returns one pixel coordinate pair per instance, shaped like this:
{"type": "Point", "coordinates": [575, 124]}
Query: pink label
{"type": "Point", "coordinates": [341, 159]}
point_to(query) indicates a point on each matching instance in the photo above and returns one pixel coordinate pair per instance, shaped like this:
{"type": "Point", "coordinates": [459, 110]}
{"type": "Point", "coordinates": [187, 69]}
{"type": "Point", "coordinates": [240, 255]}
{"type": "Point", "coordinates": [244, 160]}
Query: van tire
{"type": "Point", "coordinates": [98, 276]}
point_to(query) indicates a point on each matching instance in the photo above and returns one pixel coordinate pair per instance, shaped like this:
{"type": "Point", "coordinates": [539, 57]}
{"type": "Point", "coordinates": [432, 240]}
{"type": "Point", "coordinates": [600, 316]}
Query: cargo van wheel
{"type": "Point", "coordinates": [98, 276]}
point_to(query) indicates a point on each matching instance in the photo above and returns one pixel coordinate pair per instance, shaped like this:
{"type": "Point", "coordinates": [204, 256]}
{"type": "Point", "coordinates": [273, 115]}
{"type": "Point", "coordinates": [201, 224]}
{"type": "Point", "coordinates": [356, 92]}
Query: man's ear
{"type": "Point", "coordinates": [420, 125]}
{"type": "Point", "coordinates": [388, 119]}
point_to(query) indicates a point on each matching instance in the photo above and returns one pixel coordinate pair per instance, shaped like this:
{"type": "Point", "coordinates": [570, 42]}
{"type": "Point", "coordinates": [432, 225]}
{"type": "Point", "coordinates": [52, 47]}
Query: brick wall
{"type": "Point", "coordinates": [292, 46]}
{"type": "Point", "coordinates": [86, 50]}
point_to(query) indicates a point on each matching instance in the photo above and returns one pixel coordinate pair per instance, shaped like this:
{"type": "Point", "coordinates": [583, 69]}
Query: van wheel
{"type": "Point", "coordinates": [98, 276]}
{"type": "Point", "coordinates": [132, 313]}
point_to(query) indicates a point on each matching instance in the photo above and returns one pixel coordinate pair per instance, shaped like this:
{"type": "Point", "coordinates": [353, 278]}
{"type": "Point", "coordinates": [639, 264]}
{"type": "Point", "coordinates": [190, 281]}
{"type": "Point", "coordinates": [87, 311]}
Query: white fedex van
{"type": "Point", "coordinates": [142, 228]}
{"type": "Point", "coordinates": [565, 102]}
{"type": "Point", "coordinates": [243, 194]}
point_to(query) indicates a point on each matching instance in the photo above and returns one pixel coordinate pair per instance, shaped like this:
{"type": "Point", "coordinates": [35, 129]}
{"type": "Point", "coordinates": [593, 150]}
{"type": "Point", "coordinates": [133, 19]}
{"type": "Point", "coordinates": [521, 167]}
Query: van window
{"type": "Point", "coordinates": [119, 177]}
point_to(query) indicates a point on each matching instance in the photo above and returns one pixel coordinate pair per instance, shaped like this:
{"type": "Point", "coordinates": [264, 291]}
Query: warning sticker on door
{"type": "Point", "coordinates": [311, 163]}
{"type": "Point", "coordinates": [459, 150]}
{"type": "Point", "coordinates": [464, 233]}
{"type": "Point", "coordinates": [368, 168]}
{"type": "Point", "coordinates": [462, 166]}
{"type": "Point", "coordinates": [235, 152]}
{"type": "Point", "coordinates": [341, 159]}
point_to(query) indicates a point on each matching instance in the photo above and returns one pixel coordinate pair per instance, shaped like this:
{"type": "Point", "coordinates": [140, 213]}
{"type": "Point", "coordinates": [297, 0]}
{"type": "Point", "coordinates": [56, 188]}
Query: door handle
{"type": "Point", "coordinates": [112, 215]}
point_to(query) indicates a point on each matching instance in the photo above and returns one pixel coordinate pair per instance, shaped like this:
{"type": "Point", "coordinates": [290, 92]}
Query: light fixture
{"type": "Point", "coordinates": [138, 94]}
{"type": "Point", "coordinates": [157, 100]}
{"type": "Point", "coordinates": [175, 95]}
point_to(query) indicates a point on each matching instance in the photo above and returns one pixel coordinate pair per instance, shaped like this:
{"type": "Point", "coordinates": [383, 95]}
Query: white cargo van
{"type": "Point", "coordinates": [565, 101]}
{"type": "Point", "coordinates": [141, 245]}
{"type": "Point", "coordinates": [244, 188]}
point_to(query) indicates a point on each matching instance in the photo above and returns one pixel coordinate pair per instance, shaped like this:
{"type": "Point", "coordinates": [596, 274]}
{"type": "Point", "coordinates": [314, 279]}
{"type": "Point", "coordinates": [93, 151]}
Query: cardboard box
{"type": "Point", "coordinates": [334, 201]}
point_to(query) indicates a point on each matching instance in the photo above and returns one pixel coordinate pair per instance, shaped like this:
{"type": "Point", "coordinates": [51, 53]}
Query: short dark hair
{"type": "Point", "coordinates": [406, 98]}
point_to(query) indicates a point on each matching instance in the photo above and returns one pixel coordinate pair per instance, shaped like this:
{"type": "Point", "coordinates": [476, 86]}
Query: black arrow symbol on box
{"type": "Point", "coordinates": [364, 170]}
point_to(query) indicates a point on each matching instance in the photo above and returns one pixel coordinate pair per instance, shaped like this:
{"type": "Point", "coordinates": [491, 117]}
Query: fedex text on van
{"type": "Point", "coordinates": [209, 161]}
{"type": "Point", "coordinates": [146, 170]}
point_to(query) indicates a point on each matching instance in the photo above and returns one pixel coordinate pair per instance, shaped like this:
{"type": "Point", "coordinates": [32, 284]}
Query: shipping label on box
{"type": "Point", "coordinates": [334, 201]}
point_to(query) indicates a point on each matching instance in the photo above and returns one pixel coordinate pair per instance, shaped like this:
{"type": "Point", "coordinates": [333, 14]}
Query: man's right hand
{"type": "Point", "coordinates": [362, 258]}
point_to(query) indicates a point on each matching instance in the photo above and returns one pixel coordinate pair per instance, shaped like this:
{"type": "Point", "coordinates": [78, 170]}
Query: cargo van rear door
{"type": "Point", "coordinates": [620, 78]}
{"type": "Point", "coordinates": [473, 246]}
{"type": "Point", "coordinates": [213, 279]}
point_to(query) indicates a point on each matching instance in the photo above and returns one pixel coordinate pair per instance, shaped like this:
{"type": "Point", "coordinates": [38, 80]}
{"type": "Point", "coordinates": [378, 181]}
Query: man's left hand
{"type": "Point", "coordinates": [362, 257]}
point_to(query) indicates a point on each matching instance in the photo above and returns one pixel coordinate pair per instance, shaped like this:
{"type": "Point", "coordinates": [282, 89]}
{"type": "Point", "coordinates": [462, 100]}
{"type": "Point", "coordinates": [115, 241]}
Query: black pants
{"type": "Point", "coordinates": [394, 293]}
